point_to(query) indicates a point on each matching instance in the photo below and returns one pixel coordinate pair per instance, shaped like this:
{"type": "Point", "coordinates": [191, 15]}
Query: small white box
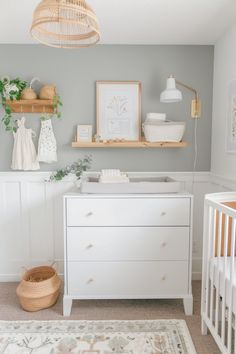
{"type": "Point", "coordinates": [157, 116]}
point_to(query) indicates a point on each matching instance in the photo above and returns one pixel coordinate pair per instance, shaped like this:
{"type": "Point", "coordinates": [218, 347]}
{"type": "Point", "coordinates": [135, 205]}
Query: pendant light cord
{"type": "Point", "coordinates": [195, 153]}
{"type": "Point", "coordinates": [195, 146]}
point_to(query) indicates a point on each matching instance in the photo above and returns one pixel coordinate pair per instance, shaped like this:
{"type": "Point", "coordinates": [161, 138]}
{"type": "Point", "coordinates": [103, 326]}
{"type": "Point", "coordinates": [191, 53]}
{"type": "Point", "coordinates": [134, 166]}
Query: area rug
{"type": "Point", "coordinates": [95, 337]}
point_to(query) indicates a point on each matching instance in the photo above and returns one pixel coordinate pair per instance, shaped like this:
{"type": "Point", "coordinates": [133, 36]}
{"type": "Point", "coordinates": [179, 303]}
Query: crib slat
{"type": "Point", "coordinates": [226, 236]}
{"type": "Point", "coordinates": [230, 308]}
{"type": "Point", "coordinates": [218, 271]}
{"type": "Point", "coordinates": [213, 237]}
{"type": "Point", "coordinates": [208, 257]}
{"type": "Point", "coordinates": [234, 333]}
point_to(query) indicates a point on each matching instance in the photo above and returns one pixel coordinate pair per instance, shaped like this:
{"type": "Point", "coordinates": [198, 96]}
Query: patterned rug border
{"type": "Point", "coordinates": [180, 322]}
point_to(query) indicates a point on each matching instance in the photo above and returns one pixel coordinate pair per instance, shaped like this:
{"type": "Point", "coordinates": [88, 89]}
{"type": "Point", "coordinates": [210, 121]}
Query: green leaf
{"type": "Point", "coordinates": [7, 120]}
{"type": "Point", "coordinates": [8, 110]}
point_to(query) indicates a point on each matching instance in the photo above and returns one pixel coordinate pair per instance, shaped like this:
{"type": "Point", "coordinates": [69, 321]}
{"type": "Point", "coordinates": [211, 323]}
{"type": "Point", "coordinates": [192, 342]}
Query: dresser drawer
{"type": "Point", "coordinates": [127, 243]}
{"type": "Point", "coordinates": [128, 211]}
{"type": "Point", "coordinates": [127, 279]}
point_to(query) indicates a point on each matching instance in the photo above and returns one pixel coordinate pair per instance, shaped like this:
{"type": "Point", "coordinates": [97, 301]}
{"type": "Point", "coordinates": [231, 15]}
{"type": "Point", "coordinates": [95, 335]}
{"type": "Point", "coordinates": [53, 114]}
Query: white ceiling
{"type": "Point", "coordinates": [135, 21]}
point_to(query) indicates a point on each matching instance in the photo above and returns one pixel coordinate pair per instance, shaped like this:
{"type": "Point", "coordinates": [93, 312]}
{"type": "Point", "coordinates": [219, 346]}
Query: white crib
{"type": "Point", "coordinates": [219, 270]}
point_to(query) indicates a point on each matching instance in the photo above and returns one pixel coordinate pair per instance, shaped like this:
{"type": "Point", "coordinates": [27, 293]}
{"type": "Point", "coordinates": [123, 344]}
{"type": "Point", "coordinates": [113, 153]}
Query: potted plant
{"type": "Point", "coordinates": [10, 90]}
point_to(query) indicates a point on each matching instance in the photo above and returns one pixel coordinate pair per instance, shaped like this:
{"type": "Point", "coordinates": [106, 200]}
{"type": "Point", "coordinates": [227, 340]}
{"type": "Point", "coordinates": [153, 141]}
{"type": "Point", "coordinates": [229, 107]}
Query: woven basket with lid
{"type": "Point", "coordinates": [28, 94]}
{"type": "Point", "coordinates": [39, 288]}
{"type": "Point", "coordinates": [47, 92]}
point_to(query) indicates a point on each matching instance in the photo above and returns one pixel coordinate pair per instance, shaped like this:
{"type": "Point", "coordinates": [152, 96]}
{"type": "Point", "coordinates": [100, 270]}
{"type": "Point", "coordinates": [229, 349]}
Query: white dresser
{"type": "Point", "coordinates": [128, 247]}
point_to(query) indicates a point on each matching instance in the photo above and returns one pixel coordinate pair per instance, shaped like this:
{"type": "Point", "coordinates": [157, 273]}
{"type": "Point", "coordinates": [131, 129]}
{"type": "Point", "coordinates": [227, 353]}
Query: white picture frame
{"type": "Point", "coordinates": [118, 105]}
{"type": "Point", "coordinates": [231, 121]}
{"type": "Point", "coordinates": [84, 133]}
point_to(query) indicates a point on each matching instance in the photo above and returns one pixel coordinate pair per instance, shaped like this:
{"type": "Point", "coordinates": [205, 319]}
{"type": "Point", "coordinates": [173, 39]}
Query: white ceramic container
{"type": "Point", "coordinates": [166, 131]}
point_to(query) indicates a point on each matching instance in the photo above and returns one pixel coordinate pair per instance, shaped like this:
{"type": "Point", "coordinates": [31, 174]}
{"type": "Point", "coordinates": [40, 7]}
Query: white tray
{"type": "Point", "coordinates": [137, 185]}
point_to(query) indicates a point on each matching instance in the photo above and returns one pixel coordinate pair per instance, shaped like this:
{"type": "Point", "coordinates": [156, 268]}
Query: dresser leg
{"type": "Point", "coordinates": [188, 305]}
{"type": "Point", "coordinates": [204, 328]}
{"type": "Point", "coordinates": [67, 304]}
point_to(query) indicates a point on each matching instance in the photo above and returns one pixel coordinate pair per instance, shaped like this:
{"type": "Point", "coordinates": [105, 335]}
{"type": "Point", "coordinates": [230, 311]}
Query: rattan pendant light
{"type": "Point", "coordinates": [65, 24]}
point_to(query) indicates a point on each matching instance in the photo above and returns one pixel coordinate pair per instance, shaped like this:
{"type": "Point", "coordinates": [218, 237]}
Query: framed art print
{"type": "Point", "coordinates": [231, 124]}
{"type": "Point", "coordinates": [118, 110]}
{"type": "Point", "coordinates": [84, 133]}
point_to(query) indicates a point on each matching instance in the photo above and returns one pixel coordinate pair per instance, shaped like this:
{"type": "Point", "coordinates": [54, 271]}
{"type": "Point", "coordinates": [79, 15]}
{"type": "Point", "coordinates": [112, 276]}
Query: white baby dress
{"type": "Point", "coordinates": [24, 153]}
{"type": "Point", "coordinates": [47, 147]}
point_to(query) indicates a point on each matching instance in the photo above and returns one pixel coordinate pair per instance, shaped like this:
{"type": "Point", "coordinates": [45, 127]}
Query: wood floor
{"type": "Point", "coordinates": [114, 310]}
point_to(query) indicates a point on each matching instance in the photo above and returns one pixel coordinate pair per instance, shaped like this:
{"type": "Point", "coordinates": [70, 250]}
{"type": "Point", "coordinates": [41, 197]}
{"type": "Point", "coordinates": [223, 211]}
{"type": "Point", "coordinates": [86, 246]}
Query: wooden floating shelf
{"type": "Point", "coordinates": [31, 106]}
{"type": "Point", "coordinates": [128, 144]}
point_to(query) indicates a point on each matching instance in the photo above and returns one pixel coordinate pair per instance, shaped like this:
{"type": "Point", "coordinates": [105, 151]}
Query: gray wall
{"type": "Point", "coordinates": [75, 72]}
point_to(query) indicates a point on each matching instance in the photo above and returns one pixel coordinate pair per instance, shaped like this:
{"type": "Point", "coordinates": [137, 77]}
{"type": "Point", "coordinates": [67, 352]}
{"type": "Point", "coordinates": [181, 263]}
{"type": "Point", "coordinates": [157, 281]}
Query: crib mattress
{"type": "Point", "coordinates": [213, 271]}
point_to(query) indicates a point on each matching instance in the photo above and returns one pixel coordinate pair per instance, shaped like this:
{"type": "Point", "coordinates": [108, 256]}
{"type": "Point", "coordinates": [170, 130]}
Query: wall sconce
{"type": "Point", "coordinates": [172, 94]}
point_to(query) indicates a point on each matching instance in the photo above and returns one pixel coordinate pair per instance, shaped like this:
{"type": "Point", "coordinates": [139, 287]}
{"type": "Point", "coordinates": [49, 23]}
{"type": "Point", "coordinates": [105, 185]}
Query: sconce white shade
{"type": "Point", "coordinates": [171, 93]}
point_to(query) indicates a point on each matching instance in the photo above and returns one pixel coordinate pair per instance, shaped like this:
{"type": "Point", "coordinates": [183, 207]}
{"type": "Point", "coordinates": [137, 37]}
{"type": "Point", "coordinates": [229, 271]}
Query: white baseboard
{"type": "Point", "coordinates": [9, 278]}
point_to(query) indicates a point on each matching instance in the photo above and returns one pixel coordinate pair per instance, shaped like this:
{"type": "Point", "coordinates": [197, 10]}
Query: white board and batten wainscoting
{"type": "Point", "coordinates": [31, 218]}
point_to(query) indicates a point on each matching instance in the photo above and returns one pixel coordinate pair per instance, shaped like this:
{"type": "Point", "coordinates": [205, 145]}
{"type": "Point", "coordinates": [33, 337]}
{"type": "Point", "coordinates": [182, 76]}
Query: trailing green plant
{"type": "Point", "coordinates": [10, 90]}
{"type": "Point", "coordinates": [76, 168]}
{"type": "Point", "coordinates": [56, 104]}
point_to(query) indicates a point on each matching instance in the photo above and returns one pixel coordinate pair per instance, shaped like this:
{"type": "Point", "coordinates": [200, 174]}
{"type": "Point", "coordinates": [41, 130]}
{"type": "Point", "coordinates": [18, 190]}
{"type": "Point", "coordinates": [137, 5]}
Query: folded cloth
{"type": "Point", "coordinates": [113, 176]}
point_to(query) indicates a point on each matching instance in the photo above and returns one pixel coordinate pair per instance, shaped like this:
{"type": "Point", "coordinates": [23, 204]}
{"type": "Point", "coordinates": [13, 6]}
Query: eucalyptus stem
{"type": "Point", "coordinates": [76, 168]}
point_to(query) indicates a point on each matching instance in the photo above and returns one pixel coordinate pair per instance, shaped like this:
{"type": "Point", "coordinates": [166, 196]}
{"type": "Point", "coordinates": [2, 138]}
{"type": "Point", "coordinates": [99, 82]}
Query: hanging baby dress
{"type": "Point", "coordinates": [24, 153]}
{"type": "Point", "coordinates": [47, 147]}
